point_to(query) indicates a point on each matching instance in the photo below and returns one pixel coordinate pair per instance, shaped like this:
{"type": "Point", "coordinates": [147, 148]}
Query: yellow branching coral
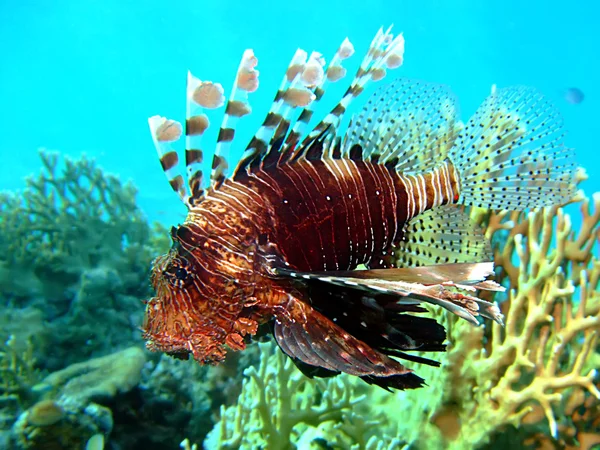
{"type": "Point", "coordinates": [280, 408]}
{"type": "Point", "coordinates": [275, 398]}
{"type": "Point", "coordinates": [542, 356]}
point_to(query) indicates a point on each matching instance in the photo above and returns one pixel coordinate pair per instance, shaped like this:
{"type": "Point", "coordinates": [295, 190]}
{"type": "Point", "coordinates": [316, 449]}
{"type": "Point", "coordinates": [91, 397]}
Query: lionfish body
{"type": "Point", "coordinates": [280, 240]}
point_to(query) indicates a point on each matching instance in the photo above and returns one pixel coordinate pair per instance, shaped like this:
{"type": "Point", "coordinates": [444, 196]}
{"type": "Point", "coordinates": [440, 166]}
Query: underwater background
{"type": "Point", "coordinates": [82, 77]}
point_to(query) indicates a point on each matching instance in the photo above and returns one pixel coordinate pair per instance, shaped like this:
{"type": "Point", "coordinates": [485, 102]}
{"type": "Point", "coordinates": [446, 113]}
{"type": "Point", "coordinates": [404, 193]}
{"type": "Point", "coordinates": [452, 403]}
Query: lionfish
{"type": "Point", "coordinates": [335, 240]}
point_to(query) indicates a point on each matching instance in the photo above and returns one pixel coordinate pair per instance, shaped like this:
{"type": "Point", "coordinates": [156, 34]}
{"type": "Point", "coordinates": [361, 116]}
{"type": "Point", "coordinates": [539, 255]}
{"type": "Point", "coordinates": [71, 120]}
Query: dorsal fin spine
{"type": "Point", "coordinates": [382, 46]}
{"type": "Point", "coordinates": [286, 107]}
{"type": "Point", "coordinates": [246, 80]}
{"type": "Point", "coordinates": [333, 72]}
{"type": "Point", "coordinates": [196, 124]}
{"type": "Point", "coordinates": [259, 143]}
{"type": "Point", "coordinates": [164, 132]}
{"type": "Point", "coordinates": [301, 89]}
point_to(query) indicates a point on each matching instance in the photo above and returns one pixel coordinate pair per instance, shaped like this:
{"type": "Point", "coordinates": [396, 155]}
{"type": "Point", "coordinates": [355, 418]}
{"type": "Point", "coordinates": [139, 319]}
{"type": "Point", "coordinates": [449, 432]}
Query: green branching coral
{"type": "Point", "coordinates": [72, 217]}
{"type": "Point", "coordinates": [75, 246]}
{"type": "Point", "coordinates": [17, 372]}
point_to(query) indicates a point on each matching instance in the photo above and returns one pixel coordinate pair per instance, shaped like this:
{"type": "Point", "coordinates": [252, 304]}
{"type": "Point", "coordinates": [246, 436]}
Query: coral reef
{"type": "Point", "coordinates": [72, 219]}
{"type": "Point", "coordinates": [75, 246]}
{"type": "Point", "coordinates": [48, 425]}
{"type": "Point", "coordinates": [130, 401]}
{"type": "Point", "coordinates": [524, 374]}
{"type": "Point", "coordinates": [280, 408]}
{"type": "Point", "coordinates": [527, 374]}
{"type": "Point", "coordinates": [176, 399]}
{"type": "Point", "coordinates": [531, 384]}
{"type": "Point", "coordinates": [171, 395]}
{"type": "Point", "coordinates": [74, 256]}
{"type": "Point", "coordinates": [17, 377]}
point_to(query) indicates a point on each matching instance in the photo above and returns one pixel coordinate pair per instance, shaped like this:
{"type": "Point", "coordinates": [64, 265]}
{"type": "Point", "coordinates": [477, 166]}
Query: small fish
{"type": "Point", "coordinates": [279, 240]}
{"type": "Point", "coordinates": [574, 95]}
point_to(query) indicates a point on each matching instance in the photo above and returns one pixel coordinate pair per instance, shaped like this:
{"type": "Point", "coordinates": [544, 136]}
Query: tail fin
{"type": "Point", "coordinates": [511, 154]}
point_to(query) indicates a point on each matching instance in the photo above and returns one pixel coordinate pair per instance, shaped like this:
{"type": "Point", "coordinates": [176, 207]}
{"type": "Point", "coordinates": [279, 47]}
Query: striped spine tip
{"type": "Point", "coordinates": [209, 95]}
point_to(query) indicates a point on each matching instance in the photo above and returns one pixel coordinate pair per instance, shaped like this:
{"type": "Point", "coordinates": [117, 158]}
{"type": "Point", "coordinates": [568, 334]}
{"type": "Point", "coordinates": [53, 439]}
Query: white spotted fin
{"type": "Point", "coordinates": [442, 235]}
{"type": "Point", "coordinates": [409, 125]}
{"type": "Point", "coordinates": [511, 153]}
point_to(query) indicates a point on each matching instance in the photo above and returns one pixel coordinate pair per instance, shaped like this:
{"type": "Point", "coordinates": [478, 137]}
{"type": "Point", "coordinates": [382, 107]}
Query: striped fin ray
{"type": "Point", "coordinates": [334, 72]}
{"type": "Point", "coordinates": [164, 133]}
{"type": "Point", "coordinates": [291, 93]}
{"type": "Point", "coordinates": [410, 125]}
{"type": "Point", "coordinates": [310, 79]}
{"type": "Point", "coordinates": [450, 286]}
{"type": "Point", "coordinates": [511, 153]}
{"type": "Point", "coordinates": [246, 81]}
{"type": "Point", "coordinates": [303, 85]}
{"type": "Point", "coordinates": [384, 50]}
{"type": "Point", "coordinates": [200, 96]}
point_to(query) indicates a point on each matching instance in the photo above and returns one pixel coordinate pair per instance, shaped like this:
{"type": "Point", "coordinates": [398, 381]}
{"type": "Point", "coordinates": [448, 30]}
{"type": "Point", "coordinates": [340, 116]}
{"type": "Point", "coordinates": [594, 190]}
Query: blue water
{"type": "Point", "coordinates": [84, 76]}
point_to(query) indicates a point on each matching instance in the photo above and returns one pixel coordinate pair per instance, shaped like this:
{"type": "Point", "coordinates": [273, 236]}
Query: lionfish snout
{"type": "Point", "coordinates": [177, 320]}
{"type": "Point", "coordinates": [180, 334]}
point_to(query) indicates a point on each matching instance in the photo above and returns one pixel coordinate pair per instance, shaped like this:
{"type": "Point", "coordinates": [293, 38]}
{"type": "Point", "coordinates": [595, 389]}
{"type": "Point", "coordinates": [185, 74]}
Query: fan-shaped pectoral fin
{"type": "Point", "coordinates": [305, 334]}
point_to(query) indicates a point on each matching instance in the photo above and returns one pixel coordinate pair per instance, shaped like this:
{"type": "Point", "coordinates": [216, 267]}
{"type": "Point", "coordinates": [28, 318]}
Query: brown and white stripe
{"type": "Point", "coordinates": [381, 47]}
{"type": "Point", "coordinates": [430, 189]}
{"type": "Point", "coordinates": [237, 106]}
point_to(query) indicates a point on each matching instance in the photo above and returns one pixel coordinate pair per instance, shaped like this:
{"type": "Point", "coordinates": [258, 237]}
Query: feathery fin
{"type": "Point", "coordinates": [442, 235]}
{"type": "Point", "coordinates": [378, 320]}
{"type": "Point", "coordinates": [511, 153]}
{"type": "Point", "coordinates": [305, 334]}
{"type": "Point", "coordinates": [408, 124]}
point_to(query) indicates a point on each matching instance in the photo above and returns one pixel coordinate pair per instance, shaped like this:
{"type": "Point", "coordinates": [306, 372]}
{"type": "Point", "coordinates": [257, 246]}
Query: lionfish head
{"type": "Point", "coordinates": [179, 320]}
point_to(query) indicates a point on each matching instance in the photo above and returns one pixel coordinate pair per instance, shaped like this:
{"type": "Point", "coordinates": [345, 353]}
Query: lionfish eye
{"type": "Point", "coordinates": [176, 275]}
{"type": "Point", "coordinates": [181, 274]}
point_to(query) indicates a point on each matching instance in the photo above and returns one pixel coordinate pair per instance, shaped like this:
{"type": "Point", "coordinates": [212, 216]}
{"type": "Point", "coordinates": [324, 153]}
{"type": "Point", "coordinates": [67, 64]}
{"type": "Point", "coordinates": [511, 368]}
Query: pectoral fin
{"type": "Point", "coordinates": [307, 335]}
{"type": "Point", "coordinates": [450, 286]}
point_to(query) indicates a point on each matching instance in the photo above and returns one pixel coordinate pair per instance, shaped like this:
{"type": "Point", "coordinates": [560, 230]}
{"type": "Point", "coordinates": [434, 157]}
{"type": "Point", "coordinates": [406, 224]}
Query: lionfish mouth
{"type": "Point", "coordinates": [182, 348]}
{"type": "Point", "coordinates": [164, 333]}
